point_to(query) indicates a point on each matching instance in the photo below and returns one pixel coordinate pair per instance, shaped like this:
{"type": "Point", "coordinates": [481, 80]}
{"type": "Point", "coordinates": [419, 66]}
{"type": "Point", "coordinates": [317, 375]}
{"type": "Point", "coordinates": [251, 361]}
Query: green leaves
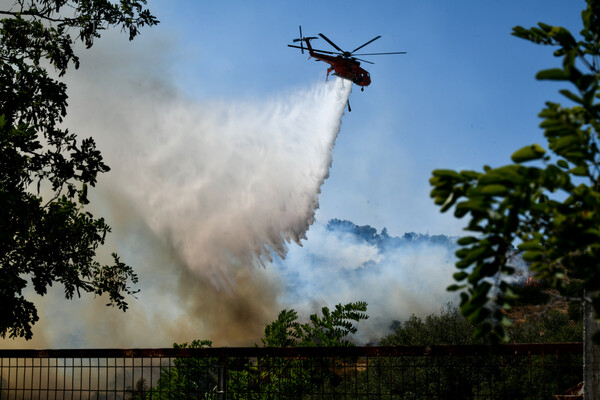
{"type": "Point", "coordinates": [555, 221]}
{"type": "Point", "coordinates": [51, 238]}
{"type": "Point", "coordinates": [547, 35]}
{"type": "Point", "coordinates": [556, 74]}
{"type": "Point", "coordinates": [268, 377]}
{"type": "Point", "coordinates": [528, 153]}
{"type": "Point", "coordinates": [283, 332]}
{"type": "Point", "coordinates": [330, 329]}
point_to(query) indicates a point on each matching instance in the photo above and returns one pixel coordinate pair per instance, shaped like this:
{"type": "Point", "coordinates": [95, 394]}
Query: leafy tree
{"type": "Point", "coordinates": [448, 327]}
{"type": "Point", "coordinates": [296, 378]}
{"type": "Point", "coordinates": [188, 378]}
{"type": "Point", "coordinates": [267, 377]}
{"type": "Point", "coordinates": [331, 329]}
{"type": "Point", "coordinates": [140, 392]}
{"type": "Point", "coordinates": [46, 235]}
{"type": "Point", "coordinates": [547, 202]}
{"type": "Point", "coordinates": [488, 375]}
{"type": "Point", "coordinates": [553, 326]}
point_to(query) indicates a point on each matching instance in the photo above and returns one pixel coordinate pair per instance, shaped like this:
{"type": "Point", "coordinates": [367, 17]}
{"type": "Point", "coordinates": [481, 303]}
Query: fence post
{"type": "Point", "coordinates": [222, 379]}
{"type": "Point", "coordinates": [591, 352]}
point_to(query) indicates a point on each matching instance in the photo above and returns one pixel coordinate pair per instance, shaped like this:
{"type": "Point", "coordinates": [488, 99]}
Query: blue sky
{"type": "Point", "coordinates": [463, 96]}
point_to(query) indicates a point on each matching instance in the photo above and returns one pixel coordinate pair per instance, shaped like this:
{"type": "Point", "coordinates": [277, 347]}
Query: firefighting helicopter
{"type": "Point", "coordinates": [343, 63]}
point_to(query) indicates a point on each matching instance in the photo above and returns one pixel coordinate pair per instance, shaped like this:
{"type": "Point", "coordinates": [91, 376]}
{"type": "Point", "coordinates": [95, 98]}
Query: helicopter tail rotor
{"type": "Point", "coordinates": [302, 39]}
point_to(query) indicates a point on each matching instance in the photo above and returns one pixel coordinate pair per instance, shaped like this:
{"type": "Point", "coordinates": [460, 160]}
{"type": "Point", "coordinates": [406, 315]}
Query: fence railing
{"type": "Point", "coordinates": [522, 371]}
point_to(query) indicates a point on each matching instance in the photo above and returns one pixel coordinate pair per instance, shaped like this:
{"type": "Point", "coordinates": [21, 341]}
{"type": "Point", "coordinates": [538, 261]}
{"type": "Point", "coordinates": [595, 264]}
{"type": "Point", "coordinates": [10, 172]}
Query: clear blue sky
{"type": "Point", "coordinates": [463, 96]}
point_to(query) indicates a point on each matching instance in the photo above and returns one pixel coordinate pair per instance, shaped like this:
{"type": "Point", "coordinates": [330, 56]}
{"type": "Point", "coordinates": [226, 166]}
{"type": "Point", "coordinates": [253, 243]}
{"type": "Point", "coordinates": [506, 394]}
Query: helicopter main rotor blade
{"type": "Point", "coordinates": [327, 52]}
{"type": "Point", "coordinates": [315, 50]}
{"type": "Point", "coordinates": [360, 59]}
{"type": "Point", "coordinates": [330, 42]}
{"type": "Point", "coordinates": [370, 41]}
{"type": "Point", "coordinates": [379, 54]}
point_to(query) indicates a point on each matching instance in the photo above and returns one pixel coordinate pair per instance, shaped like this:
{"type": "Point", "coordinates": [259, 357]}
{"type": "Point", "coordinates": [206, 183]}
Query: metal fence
{"type": "Point", "coordinates": [523, 371]}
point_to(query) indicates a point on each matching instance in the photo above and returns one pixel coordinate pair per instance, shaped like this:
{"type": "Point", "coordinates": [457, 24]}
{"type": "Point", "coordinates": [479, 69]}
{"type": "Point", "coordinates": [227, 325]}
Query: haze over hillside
{"type": "Point", "coordinates": [342, 262]}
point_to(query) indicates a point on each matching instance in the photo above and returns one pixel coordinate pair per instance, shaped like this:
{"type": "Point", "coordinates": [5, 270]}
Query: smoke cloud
{"type": "Point", "coordinates": [395, 276]}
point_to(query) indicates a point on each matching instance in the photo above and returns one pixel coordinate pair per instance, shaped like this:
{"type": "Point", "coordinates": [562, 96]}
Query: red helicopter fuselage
{"type": "Point", "coordinates": [346, 68]}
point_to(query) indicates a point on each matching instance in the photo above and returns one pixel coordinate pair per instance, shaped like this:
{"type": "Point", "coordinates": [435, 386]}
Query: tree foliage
{"type": "Point", "coordinates": [268, 377]}
{"type": "Point", "coordinates": [476, 374]}
{"type": "Point", "coordinates": [411, 376]}
{"type": "Point", "coordinates": [447, 327]}
{"type": "Point", "coordinates": [450, 327]}
{"type": "Point", "coordinates": [546, 201]}
{"type": "Point", "coordinates": [46, 234]}
{"type": "Point", "coordinates": [330, 329]}
{"type": "Point", "coordinates": [188, 378]}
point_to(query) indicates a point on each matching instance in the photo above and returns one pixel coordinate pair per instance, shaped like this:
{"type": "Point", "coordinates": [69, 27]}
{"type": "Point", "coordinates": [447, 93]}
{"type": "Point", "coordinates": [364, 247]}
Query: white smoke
{"type": "Point", "coordinates": [338, 267]}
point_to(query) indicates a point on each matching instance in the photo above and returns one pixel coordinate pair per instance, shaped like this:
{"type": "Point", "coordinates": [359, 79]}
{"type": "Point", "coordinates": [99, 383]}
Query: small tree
{"type": "Point", "coordinates": [269, 377]}
{"type": "Point", "coordinates": [463, 376]}
{"type": "Point", "coordinates": [140, 392]}
{"type": "Point", "coordinates": [550, 208]}
{"type": "Point", "coordinates": [332, 329]}
{"type": "Point", "coordinates": [188, 378]}
{"type": "Point", "coordinates": [448, 327]}
{"type": "Point", "coordinates": [295, 378]}
{"type": "Point", "coordinates": [46, 235]}
{"type": "Point", "coordinates": [548, 203]}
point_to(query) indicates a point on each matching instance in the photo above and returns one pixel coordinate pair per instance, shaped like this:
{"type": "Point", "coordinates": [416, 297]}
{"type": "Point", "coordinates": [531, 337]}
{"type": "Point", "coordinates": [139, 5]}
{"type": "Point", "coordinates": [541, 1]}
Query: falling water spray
{"type": "Point", "coordinates": [199, 194]}
{"type": "Point", "coordinates": [226, 186]}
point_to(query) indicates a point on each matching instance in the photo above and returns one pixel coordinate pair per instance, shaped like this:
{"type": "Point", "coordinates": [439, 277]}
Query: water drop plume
{"type": "Point", "coordinates": [199, 193]}
{"type": "Point", "coordinates": [226, 185]}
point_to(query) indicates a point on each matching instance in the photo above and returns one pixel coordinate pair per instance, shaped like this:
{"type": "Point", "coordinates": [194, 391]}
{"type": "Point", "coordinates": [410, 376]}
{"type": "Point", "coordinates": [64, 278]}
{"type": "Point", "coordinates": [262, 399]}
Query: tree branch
{"type": "Point", "coordinates": [33, 14]}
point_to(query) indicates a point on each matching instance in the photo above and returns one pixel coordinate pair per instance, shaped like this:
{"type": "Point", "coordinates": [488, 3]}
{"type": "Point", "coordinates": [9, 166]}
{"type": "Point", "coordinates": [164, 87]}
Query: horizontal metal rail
{"type": "Point", "coordinates": [358, 351]}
